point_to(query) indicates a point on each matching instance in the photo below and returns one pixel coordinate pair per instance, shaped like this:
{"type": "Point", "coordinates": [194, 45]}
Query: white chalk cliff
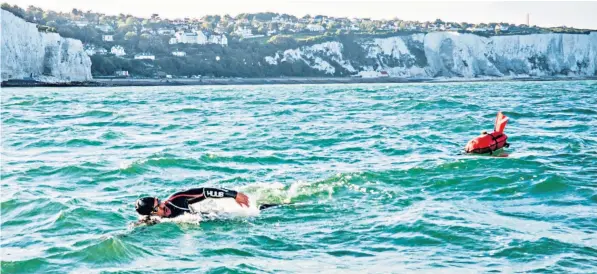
{"type": "Point", "coordinates": [47, 57]}
{"type": "Point", "coordinates": [450, 54]}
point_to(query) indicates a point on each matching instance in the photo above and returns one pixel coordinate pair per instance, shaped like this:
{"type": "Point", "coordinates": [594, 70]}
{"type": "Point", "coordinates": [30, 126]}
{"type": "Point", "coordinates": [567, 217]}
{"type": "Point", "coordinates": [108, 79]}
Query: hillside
{"type": "Point", "coordinates": [275, 45]}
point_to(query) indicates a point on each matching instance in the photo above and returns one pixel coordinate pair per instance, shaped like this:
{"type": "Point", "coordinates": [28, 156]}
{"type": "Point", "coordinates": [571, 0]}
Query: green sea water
{"type": "Point", "coordinates": [375, 176]}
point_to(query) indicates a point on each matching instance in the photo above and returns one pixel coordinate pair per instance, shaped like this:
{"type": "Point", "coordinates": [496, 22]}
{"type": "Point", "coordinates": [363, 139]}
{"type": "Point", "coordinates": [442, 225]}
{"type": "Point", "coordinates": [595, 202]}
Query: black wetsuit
{"type": "Point", "coordinates": [180, 201]}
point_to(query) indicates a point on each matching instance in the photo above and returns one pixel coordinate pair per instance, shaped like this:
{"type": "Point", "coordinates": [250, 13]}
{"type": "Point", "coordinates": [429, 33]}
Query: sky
{"type": "Point", "coordinates": [542, 13]}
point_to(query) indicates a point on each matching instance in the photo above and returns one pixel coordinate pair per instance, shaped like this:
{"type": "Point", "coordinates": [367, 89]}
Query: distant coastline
{"type": "Point", "coordinates": [274, 46]}
{"type": "Point", "coordinates": [131, 82]}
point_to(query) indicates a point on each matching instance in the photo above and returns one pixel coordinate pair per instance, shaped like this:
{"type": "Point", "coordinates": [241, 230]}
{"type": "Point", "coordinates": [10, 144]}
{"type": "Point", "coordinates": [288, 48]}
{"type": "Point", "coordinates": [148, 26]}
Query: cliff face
{"type": "Point", "coordinates": [45, 57]}
{"type": "Point", "coordinates": [449, 54]}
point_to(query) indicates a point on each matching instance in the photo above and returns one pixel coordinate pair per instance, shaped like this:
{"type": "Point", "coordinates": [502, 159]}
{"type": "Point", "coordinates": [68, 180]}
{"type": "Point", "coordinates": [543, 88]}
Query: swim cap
{"type": "Point", "coordinates": [144, 206]}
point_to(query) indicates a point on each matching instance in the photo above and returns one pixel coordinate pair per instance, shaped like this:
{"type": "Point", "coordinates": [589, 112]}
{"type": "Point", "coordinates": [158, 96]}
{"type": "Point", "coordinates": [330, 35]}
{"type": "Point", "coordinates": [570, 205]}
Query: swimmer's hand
{"type": "Point", "coordinates": [242, 199]}
{"type": "Point", "coordinates": [146, 221]}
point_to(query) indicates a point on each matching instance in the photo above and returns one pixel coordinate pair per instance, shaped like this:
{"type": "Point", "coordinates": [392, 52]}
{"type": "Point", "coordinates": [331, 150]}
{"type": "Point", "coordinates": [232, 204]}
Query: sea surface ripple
{"type": "Point", "coordinates": [374, 173]}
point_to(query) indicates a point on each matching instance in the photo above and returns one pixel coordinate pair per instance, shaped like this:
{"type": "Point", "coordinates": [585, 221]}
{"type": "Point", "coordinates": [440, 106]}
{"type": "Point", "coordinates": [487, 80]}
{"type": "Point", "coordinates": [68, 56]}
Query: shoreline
{"type": "Point", "coordinates": [130, 82]}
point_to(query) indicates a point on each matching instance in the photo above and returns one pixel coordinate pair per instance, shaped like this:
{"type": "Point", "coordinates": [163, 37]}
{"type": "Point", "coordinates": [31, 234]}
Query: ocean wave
{"type": "Point", "coordinates": [185, 110]}
{"type": "Point", "coordinates": [83, 142]}
{"type": "Point", "coordinates": [98, 113]}
{"type": "Point", "coordinates": [14, 120]}
{"type": "Point", "coordinates": [112, 135]}
{"type": "Point", "coordinates": [211, 162]}
{"type": "Point", "coordinates": [108, 251]}
{"type": "Point", "coordinates": [23, 266]}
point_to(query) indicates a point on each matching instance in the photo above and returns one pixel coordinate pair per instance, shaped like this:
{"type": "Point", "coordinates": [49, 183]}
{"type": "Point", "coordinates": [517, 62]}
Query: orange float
{"type": "Point", "coordinates": [488, 143]}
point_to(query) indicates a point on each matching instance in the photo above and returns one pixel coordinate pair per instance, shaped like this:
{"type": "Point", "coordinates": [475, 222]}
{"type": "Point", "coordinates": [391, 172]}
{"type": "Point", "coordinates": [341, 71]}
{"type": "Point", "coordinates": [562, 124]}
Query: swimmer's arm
{"type": "Point", "coordinates": [239, 197]}
{"type": "Point", "coordinates": [207, 192]}
{"type": "Point", "coordinates": [211, 192]}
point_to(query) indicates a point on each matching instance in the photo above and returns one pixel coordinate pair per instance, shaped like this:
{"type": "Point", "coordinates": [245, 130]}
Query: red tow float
{"type": "Point", "coordinates": [488, 143]}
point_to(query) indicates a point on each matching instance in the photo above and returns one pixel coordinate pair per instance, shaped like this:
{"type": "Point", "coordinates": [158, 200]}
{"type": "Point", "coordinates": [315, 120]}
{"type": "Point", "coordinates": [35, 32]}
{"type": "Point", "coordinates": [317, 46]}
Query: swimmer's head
{"type": "Point", "coordinates": [151, 206]}
{"type": "Point", "coordinates": [147, 205]}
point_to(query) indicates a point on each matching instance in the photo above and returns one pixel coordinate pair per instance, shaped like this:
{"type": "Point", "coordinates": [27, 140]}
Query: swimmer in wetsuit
{"type": "Point", "coordinates": [179, 203]}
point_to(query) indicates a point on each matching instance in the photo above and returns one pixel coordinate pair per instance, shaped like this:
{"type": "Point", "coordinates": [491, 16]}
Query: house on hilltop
{"type": "Point", "coordinates": [186, 37]}
{"type": "Point", "coordinates": [108, 38]}
{"type": "Point", "coordinates": [144, 56]}
{"type": "Point", "coordinates": [121, 73]}
{"type": "Point", "coordinates": [244, 32]}
{"type": "Point", "coordinates": [105, 28]}
{"type": "Point", "coordinates": [179, 53]}
{"type": "Point", "coordinates": [218, 39]}
{"type": "Point", "coordinates": [118, 50]}
{"type": "Point", "coordinates": [81, 23]}
{"type": "Point", "coordinates": [316, 28]}
{"type": "Point", "coordinates": [91, 50]}
{"type": "Point", "coordinates": [501, 28]}
{"type": "Point", "coordinates": [166, 31]}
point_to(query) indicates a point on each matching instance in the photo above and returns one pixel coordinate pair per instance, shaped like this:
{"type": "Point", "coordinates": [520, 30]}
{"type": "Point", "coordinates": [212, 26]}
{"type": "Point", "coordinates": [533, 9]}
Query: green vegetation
{"type": "Point", "coordinates": [570, 30]}
{"type": "Point", "coordinates": [285, 41]}
{"type": "Point", "coordinates": [43, 28]}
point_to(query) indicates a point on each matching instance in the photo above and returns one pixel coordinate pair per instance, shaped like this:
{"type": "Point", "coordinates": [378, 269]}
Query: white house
{"type": "Point", "coordinates": [144, 56]}
{"type": "Point", "coordinates": [93, 50]}
{"type": "Point", "coordinates": [173, 41]}
{"type": "Point", "coordinates": [475, 29]}
{"type": "Point", "coordinates": [164, 31]}
{"type": "Point", "coordinates": [281, 19]}
{"type": "Point", "coordinates": [313, 27]}
{"type": "Point", "coordinates": [179, 53]}
{"type": "Point", "coordinates": [220, 29]}
{"type": "Point", "coordinates": [122, 73]}
{"type": "Point", "coordinates": [118, 50]}
{"type": "Point", "coordinates": [501, 28]}
{"type": "Point", "coordinates": [101, 51]}
{"type": "Point", "coordinates": [186, 37]}
{"type": "Point", "coordinates": [197, 37]}
{"type": "Point", "coordinates": [148, 30]}
{"type": "Point", "coordinates": [81, 23]}
{"type": "Point", "coordinates": [202, 38]}
{"type": "Point", "coordinates": [89, 50]}
{"type": "Point", "coordinates": [105, 28]}
{"type": "Point", "coordinates": [182, 28]}
{"type": "Point", "coordinates": [244, 32]}
{"type": "Point", "coordinates": [108, 38]}
{"type": "Point", "coordinates": [218, 39]}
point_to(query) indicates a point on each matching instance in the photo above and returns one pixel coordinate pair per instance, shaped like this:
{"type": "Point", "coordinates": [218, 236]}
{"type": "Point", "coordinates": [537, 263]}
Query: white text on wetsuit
{"type": "Point", "coordinates": [210, 193]}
